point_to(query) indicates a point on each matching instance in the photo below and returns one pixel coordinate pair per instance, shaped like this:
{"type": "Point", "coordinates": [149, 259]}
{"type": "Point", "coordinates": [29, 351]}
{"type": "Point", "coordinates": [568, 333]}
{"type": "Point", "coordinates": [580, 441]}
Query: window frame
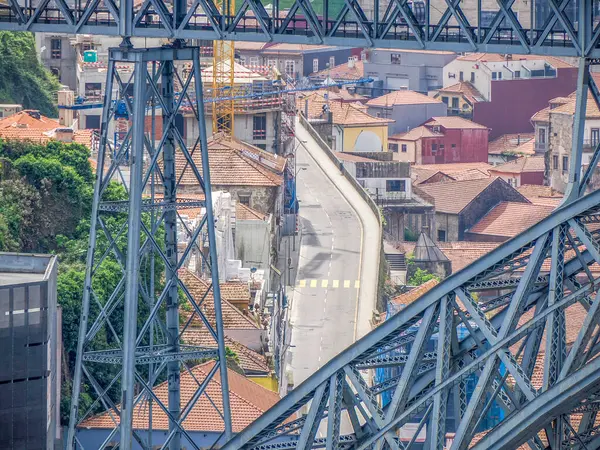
{"type": "Point", "coordinates": [404, 148]}
{"type": "Point", "coordinates": [565, 163]}
{"type": "Point", "coordinates": [56, 51]}
{"type": "Point", "coordinates": [554, 162]}
{"type": "Point", "coordinates": [395, 185]}
{"type": "Point", "coordinates": [259, 133]}
{"type": "Point", "coordinates": [395, 58]}
{"type": "Point", "coordinates": [315, 65]}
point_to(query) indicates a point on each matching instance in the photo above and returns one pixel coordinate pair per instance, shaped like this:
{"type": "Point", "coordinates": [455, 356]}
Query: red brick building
{"type": "Point", "coordinates": [443, 140]}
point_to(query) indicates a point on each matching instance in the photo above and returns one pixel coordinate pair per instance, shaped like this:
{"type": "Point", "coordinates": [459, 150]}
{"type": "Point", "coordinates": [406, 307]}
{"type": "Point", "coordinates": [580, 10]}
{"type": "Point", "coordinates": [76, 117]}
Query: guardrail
{"type": "Point", "coordinates": [362, 192]}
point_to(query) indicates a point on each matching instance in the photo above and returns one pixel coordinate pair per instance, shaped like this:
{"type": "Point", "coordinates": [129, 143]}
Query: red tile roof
{"type": "Point", "coordinates": [455, 122]}
{"type": "Point", "coordinates": [507, 219]}
{"type": "Point", "coordinates": [463, 253]}
{"type": "Point", "coordinates": [243, 212]}
{"type": "Point", "coordinates": [249, 360]}
{"type": "Point", "coordinates": [509, 143]}
{"type": "Point", "coordinates": [468, 91]}
{"type": "Point", "coordinates": [415, 134]}
{"type": "Point", "coordinates": [497, 57]}
{"type": "Point", "coordinates": [344, 113]}
{"type": "Point", "coordinates": [231, 292]}
{"type": "Point", "coordinates": [248, 402]}
{"type": "Point", "coordinates": [29, 119]}
{"type": "Point", "coordinates": [520, 165]}
{"type": "Point", "coordinates": [233, 163]}
{"type": "Point", "coordinates": [453, 196]}
{"type": "Point", "coordinates": [540, 195]}
{"type": "Point", "coordinates": [452, 168]}
{"type": "Point", "coordinates": [412, 295]}
{"type": "Point", "coordinates": [343, 72]}
{"type": "Point", "coordinates": [403, 97]}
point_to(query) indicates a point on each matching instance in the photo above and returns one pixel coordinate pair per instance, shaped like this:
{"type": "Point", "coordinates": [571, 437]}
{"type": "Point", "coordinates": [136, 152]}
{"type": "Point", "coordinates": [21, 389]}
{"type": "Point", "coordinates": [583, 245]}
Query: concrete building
{"type": "Point", "coordinates": [509, 147]}
{"type": "Point", "coordinates": [388, 182]}
{"type": "Point", "coordinates": [553, 139]}
{"type": "Point", "coordinates": [460, 99]}
{"type": "Point", "coordinates": [347, 127]}
{"type": "Point", "coordinates": [294, 60]}
{"type": "Point", "coordinates": [513, 87]}
{"type": "Point", "coordinates": [461, 204]}
{"type": "Point", "coordinates": [438, 173]}
{"type": "Point", "coordinates": [9, 109]}
{"type": "Point", "coordinates": [526, 170]}
{"type": "Point", "coordinates": [30, 361]}
{"type": "Point", "coordinates": [407, 109]}
{"type": "Point", "coordinates": [443, 140]}
{"type": "Point", "coordinates": [416, 70]}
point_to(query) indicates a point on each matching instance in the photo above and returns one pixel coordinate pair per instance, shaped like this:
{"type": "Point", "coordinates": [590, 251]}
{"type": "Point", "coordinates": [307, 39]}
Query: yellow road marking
{"type": "Point", "coordinates": [324, 283]}
{"type": "Point", "coordinates": [302, 283]}
{"type": "Point", "coordinates": [336, 284]}
{"type": "Point", "coordinates": [313, 283]}
{"type": "Point", "coordinates": [356, 284]}
{"type": "Point", "coordinates": [346, 283]}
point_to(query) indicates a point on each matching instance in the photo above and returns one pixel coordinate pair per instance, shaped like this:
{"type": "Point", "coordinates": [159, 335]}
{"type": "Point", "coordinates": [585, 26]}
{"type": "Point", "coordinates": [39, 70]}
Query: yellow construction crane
{"type": "Point", "coordinates": [223, 77]}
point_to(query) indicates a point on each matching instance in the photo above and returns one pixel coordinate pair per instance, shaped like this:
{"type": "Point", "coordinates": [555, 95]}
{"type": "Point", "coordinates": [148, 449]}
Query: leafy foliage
{"type": "Point", "coordinates": [420, 277]}
{"type": "Point", "coordinates": [23, 79]}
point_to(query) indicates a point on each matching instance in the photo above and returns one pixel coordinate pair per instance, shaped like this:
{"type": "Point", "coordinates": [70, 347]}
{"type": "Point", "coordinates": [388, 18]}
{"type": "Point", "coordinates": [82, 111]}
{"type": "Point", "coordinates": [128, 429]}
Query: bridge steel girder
{"type": "Point", "coordinates": [352, 26]}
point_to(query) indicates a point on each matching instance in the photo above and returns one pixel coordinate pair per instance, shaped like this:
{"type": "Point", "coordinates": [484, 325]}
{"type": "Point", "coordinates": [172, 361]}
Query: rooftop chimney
{"type": "Point", "coordinates": [64, 135]}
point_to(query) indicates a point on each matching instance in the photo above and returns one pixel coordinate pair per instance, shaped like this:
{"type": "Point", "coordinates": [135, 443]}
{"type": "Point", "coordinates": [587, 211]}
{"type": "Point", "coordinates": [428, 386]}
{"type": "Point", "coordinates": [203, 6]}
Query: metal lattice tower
{"type": "Point", "coordinates": [139, 235]}
{"type": "Point", "coordinates": [223, 111]}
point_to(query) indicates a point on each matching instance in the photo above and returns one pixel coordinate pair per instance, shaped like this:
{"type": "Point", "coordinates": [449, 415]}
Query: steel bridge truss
{"type": "Point", "coordinates": [454, 25]}
{"type": "Point", "coordinates": [504, 323]}
{"type": "Point", "coordinates": [137, 316]}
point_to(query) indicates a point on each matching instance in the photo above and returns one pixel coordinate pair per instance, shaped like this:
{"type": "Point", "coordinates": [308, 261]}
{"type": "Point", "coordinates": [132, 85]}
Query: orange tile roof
{"type": "Point", "coordinates": [452, 197]}
{"type": "Point", "coordinates": [408, 297]}
{"type": "Point", "coordinates": [353, 158]}
{"type": "Point", "coordinates": [452, 168]}
{"type": "Point", "coordinates": [249, 360]}
{"type": "Point", "coordinates": [508, 143]}
{"type": "Point", "coordinates": [29, 119]}
{"type": "Point", "coordinates": [470, 174]}
{"type": "Point", "coordinates": [233, 163]}
{"type": "Point", "coordinates": [463, 253]}
{"type": "Point", "coordinates": [541, 116]}
{"type": "Point", "coordinates": [592, 111]}
{"type": "Point", "coordinates": [520, 165]}
{"type": "Point", "coordinates": [343, 113]}
{"type": "Point", "coordinates": [497, 57]}
{"type": "Point", "coordinates": [468, 91]}
{"type": "Point", "coordinates": [243, 212]}
{"type": "Point", "coordinates": [415, 134]}
{"type": "Point", "coordinates": [342, 72]}
{"type": "Point", "coordinates": [507, 219]}
{"type": "Point", "coordinates": [455, 123]}
{"type": "Point", "coordinates": [403, 97]}
{"type": "Point", "coordinates": [248, 402]}
{"type": "Point", "coordinates": [540, 195]}
{"type": "Point", "coordinates": [233, 318]}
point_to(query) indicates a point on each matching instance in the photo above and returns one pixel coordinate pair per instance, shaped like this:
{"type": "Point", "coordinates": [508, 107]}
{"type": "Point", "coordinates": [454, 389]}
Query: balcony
{"type": "Point", "coordinates": [540, 147]}
{"type": "Point", "coordinates": [590, 144]}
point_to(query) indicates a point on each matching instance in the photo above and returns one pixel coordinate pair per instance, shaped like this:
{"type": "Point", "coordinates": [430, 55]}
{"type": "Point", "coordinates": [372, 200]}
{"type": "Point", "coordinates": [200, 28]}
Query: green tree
{"type": "Point", "coordinates": [23, 79]}
{"type": "Point", "coordinates": [421, 276]}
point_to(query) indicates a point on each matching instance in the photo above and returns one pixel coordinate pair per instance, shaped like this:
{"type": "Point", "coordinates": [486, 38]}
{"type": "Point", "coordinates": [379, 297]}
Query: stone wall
{"type": "Point", "coordinates": [560, 143]}
{"type": "Point", "coordinates": [448, 223]}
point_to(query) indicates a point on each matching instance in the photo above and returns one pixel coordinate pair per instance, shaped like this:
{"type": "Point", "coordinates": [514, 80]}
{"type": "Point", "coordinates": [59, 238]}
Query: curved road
{"type": "Point", "coordinates": [334, 293]}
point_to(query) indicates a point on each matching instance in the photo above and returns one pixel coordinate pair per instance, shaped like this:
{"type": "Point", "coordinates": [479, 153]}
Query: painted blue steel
{"type": "Point", "coordinates": [398, 29]}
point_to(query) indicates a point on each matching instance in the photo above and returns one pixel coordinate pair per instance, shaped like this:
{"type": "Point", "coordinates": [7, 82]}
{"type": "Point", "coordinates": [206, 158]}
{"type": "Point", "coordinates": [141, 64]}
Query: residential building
{"type": "Point", "coordinates": [416, 70]}
{"type": "Point", "coordinates": [460, 98]}
{"type": "Point", "coordinates": [557, 123]}
{"type": "Point", "coordinates": [353, 69]}
{"type": "Point", "coordinates": [294, 60]}
{"type": "Point", "coordinates": [510, 146]}
{"type": "Point", "coordinates": [513, 87]}
{"type": "Point", "coordinates": [204, 423]}
{"type": "Point", "coordinates": [347, 126]}
{"type": "Point", "coordinates": [461, 204]}
{"type": "Point", "coordinates": [253, 237]}
{"type": "Point", "coordinates": [252, 176]}
{"type": "Point", "coordinates": [526, 170]}
{"type": "Point", "coordinates": [8, 109]}
{"type": "Point", "coordinates": [443, 140]}
{"type": "Point", "coordinates": [506, 220]}
{"type": "Point", "coordinates": [388, 183]}
{"type": "Point", "coordinates": [408, 109]}
{"type": "Point", "coordinates": [463, 253]}
{"type": "Point", "coordinates": [437, 173]}
{"type": "Point", "coordinates": [30, 361]}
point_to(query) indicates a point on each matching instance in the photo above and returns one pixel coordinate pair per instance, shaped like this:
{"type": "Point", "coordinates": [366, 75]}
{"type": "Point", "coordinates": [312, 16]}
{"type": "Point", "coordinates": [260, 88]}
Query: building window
{"type": "Point", "coordinates": [393, 147]}
{"type": "Point", "coordinates": [441, 235]}
{"type": "Point", "coordinates": [461, 76]}
{"type": "Point", "coordinates": [395, 58]}
{"type": "Point", "coordinates": [453, 145]}
{"type": "Point", "coordinates": [565, 163]}
{"type": "Point", "coordinates": [542, 136]}
{"type": "Point", "coordinates": [395, 185]}
{"type": "Point", "coordinates": [55, 49]}
{"type": "Point", "coordinates": [315, 65]}
{"type": "Point", "coordinates": [494, 75]}
{"type": "Point", "coordinates": [259, 126]}
{"type": "Point", "coordinates": [87, 47]}
{"type": "Point", "coordinates": [290, 68]}
{"type": "Point", "coordinates": [331, 62]}
{"type": "Point", "coordinates": [254, 60]}
{"type": "Point", "coordinates": [442, 147]}
{"type": "Point", "coordinates": [272, 63]}
{"type": "Point", "coordinates": [555, 162]}
{"type": "Point", "coordinates": [404, 148]}
{"type": "Point", "coordinates": [499, 75]}
{"type": "Point", "coordinates": [512, 182]}
{"type": "Point", "coordinates": [434, 148]}
{"type": "Point", "coordinates": [517, 74]}
{"type": "Point", "coordinates": [244, 198]}
{"type": "Point", "coordinates": [243, 60]}
{"type": "Point", "coordinates": [472, 77]}
{"type": "Point", "coordinates": [445, 100]}
{"type": "Point", "coordinates": [455, 102]}
{"type": "Point", "coordinates": [595, 136]}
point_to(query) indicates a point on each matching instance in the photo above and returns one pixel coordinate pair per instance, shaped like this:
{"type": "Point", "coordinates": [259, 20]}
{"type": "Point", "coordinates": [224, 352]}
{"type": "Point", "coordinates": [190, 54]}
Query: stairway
{"type": "Point", "coordinates": [396, 262]}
